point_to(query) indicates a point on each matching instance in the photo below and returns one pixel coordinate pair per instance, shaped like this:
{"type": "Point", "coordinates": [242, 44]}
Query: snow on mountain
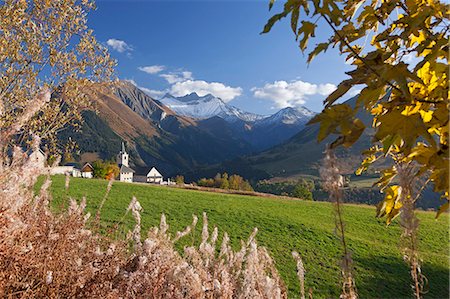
{"type": "Point", "coordinates": [203, 107]}
{"type": "Point", "coordinates": [288, 116]}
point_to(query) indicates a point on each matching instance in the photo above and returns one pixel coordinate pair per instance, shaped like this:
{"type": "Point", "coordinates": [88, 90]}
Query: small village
{"type": "Point", "coordinates": [126, 173]}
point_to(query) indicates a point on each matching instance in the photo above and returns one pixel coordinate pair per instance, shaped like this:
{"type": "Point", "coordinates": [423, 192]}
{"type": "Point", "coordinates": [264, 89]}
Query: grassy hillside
{"type": "Point", "coordinates": [284, 226]}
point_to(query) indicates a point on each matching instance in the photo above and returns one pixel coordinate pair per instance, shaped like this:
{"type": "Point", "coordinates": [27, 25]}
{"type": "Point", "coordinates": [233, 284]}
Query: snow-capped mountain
{"type": "Point", "coordinates": [260, 131]}
{"type": "Point", "coordinates": [287, 116]}
{"type": "Point", "coordinates": [203, 107]}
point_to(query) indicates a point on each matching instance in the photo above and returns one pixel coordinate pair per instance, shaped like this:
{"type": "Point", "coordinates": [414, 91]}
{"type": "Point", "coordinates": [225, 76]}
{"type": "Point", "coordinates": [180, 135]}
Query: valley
{"type": "Point", "coordinates": [204, 132]}
{"type": "Point", "coordinates": [200, 136]}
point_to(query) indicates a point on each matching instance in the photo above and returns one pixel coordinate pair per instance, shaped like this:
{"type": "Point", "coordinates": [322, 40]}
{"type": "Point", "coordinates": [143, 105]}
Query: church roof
{"type": "Point", "coordinates": [124, 168]}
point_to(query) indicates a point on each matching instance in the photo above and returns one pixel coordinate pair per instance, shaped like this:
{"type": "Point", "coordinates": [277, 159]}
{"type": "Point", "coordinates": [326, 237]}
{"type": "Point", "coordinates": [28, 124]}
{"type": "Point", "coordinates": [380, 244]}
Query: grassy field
{"type": "Point", "coordinates": [287, 225]}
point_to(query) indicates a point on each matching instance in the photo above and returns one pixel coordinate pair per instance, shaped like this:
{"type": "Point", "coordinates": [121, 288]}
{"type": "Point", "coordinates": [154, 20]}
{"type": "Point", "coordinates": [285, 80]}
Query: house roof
{"type": "Point", "coordinates": [87, 168]}
{"type": "Point", "coordinates": [154, 173]}
{"type": "Point", "coordinates": [74, 164]}
{"type": "Point", "coordinates": [124, 168]}
{"type": "Point", "coordinates": [38, 152]}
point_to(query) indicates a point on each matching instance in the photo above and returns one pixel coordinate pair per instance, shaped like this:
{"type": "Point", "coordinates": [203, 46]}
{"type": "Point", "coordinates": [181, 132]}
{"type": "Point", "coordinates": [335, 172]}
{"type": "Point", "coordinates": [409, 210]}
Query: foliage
{"type": "Point", "coordinates": [179, 180]}
{"type": "Point", "coordinates": [284, 226]}
{"type": "Point", "coordinates": [223, 181]}
{"type": "Point", "coordinates": [301, 188]}
{"type": "Point", "coordinates": [301, 191]}
{"type": "Point", "coordinates": [105, 169]}
{"type": "Point", "coordinates": [45, 46]}
{"type": "Point", "coordinates": [407, 99]}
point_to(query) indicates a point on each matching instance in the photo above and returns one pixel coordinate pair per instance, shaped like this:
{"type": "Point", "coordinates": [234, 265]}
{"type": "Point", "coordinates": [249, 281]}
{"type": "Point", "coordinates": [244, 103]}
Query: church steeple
{"type": "Point", "coordinates": [122, 157]}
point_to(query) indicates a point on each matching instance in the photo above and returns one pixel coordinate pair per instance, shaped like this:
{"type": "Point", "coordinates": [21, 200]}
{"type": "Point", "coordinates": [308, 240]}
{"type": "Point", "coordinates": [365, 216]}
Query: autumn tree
{"type": "Point", "coordinates": [408, 99]}
{"type": "Point", "coordinates": [179, 180]}
{"type": "Point", "coordinates": [47, 52]}
{"type": "Point", "coordinates": [225, 184]}
{"type": "Point", "coordinates": [235, 181]}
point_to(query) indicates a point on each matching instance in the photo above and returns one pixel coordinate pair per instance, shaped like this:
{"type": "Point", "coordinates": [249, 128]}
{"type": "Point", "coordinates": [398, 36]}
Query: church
{"type": "Point", "coordinates": [126, 173]}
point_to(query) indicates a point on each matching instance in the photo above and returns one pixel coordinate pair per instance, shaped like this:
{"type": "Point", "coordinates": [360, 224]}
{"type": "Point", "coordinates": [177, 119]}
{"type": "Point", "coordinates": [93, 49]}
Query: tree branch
{"type": "Point", "coordinates": [358, 56]}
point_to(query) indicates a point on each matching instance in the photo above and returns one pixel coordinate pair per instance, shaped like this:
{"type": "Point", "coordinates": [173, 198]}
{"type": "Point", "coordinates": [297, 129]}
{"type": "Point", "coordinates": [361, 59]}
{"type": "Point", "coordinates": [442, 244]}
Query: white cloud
{"type": "Point", "coordinates": [354, 91]}
{"type": "Point", "coordinates": [172, 78]}
{"type": "Point", "coordinates": [119, 45]}
{"type": "Point", "coordinates": [288, 94]}
{"type": "Point", "coordinates": [202, 88]}
{"type": "Point", "coordinates": [152, 69]}
{"type": "Point", "coordinates": [151, 92]}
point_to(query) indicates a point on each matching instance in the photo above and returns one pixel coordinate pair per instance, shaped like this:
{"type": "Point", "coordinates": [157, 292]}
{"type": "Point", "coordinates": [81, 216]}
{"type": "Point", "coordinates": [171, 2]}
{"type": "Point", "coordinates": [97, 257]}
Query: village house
{"type": "Point", "coordinates": [87, 171]}
{"type": "Point", "coordinates": [154, 176]}
{"type": "Point", "coordinates": [125, 173]}
{"type": "Point", "coordinates": [38, 157]}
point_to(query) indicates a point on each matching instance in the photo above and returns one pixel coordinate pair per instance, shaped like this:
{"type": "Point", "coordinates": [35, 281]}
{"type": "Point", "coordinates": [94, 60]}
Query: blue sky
{"type": "Point", "coordinates": [215, 46]}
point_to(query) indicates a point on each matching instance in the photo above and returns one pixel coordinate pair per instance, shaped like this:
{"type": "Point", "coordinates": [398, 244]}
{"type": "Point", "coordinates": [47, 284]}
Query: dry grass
{"type": "Point", "coordinates": [48, 255]}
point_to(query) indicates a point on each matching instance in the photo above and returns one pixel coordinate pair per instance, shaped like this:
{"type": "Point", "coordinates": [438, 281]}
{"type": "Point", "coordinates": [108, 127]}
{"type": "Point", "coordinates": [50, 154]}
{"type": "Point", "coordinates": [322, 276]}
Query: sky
{"type": "Point", "coordinates": [184, 46]}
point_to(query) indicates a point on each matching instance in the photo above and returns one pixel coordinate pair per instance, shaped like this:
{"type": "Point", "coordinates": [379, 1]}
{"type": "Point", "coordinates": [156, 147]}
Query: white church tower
{"type": "Point", "coordinates": [122, 157]}
{"type": "Point", "coordinates": [126, 173]}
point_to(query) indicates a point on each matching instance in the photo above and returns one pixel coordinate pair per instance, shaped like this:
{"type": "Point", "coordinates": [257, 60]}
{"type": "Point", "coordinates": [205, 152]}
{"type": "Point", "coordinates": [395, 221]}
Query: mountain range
{"type": "Point", "coordinates": [199, 142]}
{"type": "Point", "coordinates": [261, 132]}
{"type": "Point", "coordinates": [204, 107]}
{"type": "Point", "coordinates": [299, 155]}
{"type": "Point", "coordinates": [177, 134]}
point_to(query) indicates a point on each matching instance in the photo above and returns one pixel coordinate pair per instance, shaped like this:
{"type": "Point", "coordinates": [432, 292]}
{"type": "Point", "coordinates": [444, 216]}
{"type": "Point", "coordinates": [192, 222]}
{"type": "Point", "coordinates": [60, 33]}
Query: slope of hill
{"type": "Point", "coordinates": [284, 226]}
{"type": "Point", "coordinates": [156, 136]}
{"type": "Point", "coordinates": [302, 153]}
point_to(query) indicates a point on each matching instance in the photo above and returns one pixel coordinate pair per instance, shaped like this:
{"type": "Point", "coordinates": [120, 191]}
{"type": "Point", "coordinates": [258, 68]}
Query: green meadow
{"type": "Point", "coordinates": [284, 226]}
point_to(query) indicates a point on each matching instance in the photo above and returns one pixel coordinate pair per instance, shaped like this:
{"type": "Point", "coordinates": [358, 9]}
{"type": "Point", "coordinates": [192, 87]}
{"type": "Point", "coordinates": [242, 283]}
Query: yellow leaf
{"type": "Point", "coordinates": [378, 109]}
{"type": "Point", "coordinates": [307, 30]}
{"type": "Point", "coordinates": [442, 209]}
{"type": "Point", "coordinates": [417, 39]}
{"type": "Point", "coordinates": [410, 110]}
{"type": "Point", "coordinates": [426, 115]}
{"type": "Point", "coordinates": [342, 88]}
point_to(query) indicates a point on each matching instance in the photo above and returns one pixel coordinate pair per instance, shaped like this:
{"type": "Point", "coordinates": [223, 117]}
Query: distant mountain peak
{"type": "Point", "coordinates": [207, 106]}
{"type": "Point", "coordinates": [168, 95]}
{"type": "Point", "coordinates": [289, 115]}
